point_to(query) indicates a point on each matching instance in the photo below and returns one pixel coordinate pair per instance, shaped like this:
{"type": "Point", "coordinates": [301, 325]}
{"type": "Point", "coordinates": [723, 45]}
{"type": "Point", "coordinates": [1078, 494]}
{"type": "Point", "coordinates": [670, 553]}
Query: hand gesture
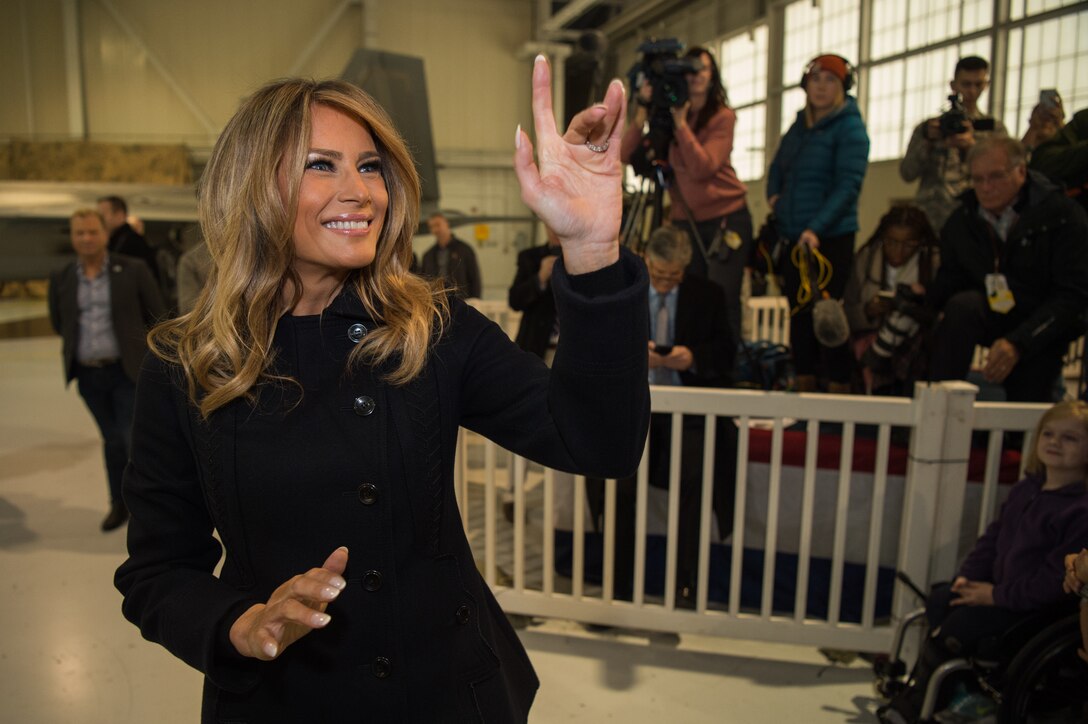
{"type": "Point", "coordinates": [680, 115]}
{"type": "Point", "coordinates": [972, 593]}
{"type": "Point", "coordinates": [809, 238]}
{"type": "Point", "coordinates": [293, 610]}
{"type": "Point", "coordinates": [1076, 571]}
{"type": "Point", "coordinates": [680, 358]}
{"type": "Point", "coordinates": [547, 264]}
{"type": "Point", "coordinates": [574, 187]}
{"type": "Point", "coordinates": [1001, 361]}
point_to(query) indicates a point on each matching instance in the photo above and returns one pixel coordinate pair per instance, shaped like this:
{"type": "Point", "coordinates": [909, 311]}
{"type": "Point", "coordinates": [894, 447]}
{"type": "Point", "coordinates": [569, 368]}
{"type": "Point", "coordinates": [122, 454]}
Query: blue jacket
{"type": "Point", "coordinates": [817, 174]}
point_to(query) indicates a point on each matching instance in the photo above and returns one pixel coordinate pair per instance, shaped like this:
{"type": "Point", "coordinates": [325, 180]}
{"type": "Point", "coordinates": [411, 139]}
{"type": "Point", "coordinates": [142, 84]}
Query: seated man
{"type": "Point", "coordinates": [687, 317]}
{"type": "Point", "coordinates": [1013, 276]}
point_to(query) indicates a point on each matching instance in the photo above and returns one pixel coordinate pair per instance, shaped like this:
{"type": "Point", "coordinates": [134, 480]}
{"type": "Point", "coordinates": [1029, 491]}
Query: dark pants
{"type": "Point", "coordinates": [967, 322]}
{"type": "Point", "coordinates": [809, 356]}
{"type": "Point", "coordinates": [691, 489]}
{"type": "Point", "coordinates": [726, 267]}
{"type": "Point", "coordinates": [955, 632]}
{"type": "Point", "coordinates": [111, 398]}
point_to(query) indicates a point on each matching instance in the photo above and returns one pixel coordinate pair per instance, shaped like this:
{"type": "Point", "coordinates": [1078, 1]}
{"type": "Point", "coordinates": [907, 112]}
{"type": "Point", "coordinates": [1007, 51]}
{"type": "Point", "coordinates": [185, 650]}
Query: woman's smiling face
{"type": "Point", "coordinates": [342, 198]}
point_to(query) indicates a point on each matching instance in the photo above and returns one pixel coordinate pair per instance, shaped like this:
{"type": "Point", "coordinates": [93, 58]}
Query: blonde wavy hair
{"type": "Point", "coordinates": [224, 345]}
{"type": "Point", "coordinates": [1067, 410]}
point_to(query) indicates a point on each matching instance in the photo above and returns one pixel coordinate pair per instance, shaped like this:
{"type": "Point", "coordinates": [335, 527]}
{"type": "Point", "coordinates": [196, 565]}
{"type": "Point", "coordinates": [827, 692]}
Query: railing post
{"type": "Point", "coordinates": [935, 485]}
{"type": "Point", "coordinates": [952, 481]}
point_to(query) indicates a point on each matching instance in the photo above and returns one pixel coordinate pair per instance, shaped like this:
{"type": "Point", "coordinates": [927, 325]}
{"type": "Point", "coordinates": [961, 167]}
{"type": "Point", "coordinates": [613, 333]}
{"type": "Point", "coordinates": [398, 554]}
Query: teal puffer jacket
{"type": "Point", "coordinates": [817, 174]}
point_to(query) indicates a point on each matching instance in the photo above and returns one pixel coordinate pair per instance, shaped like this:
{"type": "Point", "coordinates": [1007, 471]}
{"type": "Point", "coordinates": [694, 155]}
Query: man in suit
{"type": "Point", "coordinates": [102, 305]}
{"type": "Point", "coordinates": [690, 345]}
{"type": "Point", "coordinates": [123, 239]}
{"type": "Point", "coordinates": [531, 294]}
{"type": "Point", "coordinates": [452, 260]}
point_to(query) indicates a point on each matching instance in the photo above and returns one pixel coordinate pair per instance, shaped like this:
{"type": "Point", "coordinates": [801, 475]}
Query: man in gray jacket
{"type": "Point", "coordinates": [937, 153]}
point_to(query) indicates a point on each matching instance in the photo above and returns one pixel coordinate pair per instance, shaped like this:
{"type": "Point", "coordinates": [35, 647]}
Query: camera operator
{"type": "Point", "coordinates": [937, 152]}
{"type": "Point", "coordinates": [704, 180]}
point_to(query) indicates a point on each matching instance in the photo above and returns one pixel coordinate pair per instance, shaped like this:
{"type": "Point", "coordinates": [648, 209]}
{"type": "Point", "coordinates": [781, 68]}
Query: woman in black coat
{"type": "Point", "coordinates": [307, 411]}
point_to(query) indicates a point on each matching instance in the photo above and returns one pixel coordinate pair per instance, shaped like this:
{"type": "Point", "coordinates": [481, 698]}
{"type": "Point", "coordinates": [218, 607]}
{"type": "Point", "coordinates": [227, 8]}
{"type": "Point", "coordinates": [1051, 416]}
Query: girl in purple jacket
{"type": "Point", "coordinates": [1017, 567]}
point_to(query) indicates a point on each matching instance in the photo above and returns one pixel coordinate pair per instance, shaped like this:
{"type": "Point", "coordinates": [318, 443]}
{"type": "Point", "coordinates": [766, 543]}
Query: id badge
{"type": "Point", "coordinates": [998, 293]}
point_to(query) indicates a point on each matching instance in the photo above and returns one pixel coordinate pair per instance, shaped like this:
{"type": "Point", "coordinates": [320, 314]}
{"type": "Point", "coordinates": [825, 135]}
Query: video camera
{"type": "Point", "coordinates": [662, 67]}
{"type": "Point", "coordinates": [954, 121]}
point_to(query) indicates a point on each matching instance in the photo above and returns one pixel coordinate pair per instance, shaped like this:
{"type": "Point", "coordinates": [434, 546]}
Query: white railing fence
{"type": "Point", "coordinates": [821, 521]}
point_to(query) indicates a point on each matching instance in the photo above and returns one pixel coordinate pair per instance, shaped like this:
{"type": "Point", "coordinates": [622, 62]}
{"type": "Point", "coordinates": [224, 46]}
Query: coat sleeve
{"type": "Point", "coordinates": [589, 413]}
{"type": "Point", "coordinates": [714, 353]}
{"type": "Point", "coordinates": [951, 276]}
{"type": "Point", "coordinates": [151, 304]}
{"type": "Point", "coordinates": [167, 582]}
{"type": "Point", "coordinates": [853, 302]}
{"type": "Point", "coordinates": [917, 158]}
{"type": "Point", "coordinates": [526, 287]}
{"type": "Point", "coordinates": [847, 172]}
{"type": "Point", "coordinates": [472, 270]}
{"type": "Point", "coordinates": [54, 300]}
{"type": "Point", "coordinates": [1060, 315]}
{"type": "Point", "coordinates": [703, 160]}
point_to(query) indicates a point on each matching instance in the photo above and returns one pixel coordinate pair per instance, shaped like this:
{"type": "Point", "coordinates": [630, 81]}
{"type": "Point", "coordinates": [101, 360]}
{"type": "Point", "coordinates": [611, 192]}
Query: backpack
{"type": "Point", "coordinates": [763, 365]}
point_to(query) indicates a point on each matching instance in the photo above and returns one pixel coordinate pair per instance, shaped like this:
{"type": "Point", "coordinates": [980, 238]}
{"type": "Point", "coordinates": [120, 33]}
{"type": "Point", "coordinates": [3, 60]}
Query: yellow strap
{"type": "Point", "coordinates": [805, 292]}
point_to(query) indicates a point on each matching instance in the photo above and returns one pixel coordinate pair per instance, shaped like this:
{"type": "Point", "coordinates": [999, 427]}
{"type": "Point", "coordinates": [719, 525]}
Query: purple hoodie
{"type": "Point", "coordinates": [1022, 552]}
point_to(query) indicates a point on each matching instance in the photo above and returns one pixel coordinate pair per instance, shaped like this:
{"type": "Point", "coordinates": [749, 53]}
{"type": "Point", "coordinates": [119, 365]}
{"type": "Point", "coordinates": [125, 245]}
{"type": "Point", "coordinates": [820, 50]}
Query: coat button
{"type": "Point", "coordinates": [356, 332]}
{"type": "Point", "coordinates": [464, 613]}
{"type": "Point", "coordinates": [382, 667]}
{"type": "Point", "coordinates": [368, 493]}
{"type": "Point", "coordinates": [364, 405]}
{"type": "Point", "coordinates": [372, 580]}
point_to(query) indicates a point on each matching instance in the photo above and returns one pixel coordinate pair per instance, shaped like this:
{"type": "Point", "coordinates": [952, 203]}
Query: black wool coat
{"type": "Point", "coordinates": [416, 636]}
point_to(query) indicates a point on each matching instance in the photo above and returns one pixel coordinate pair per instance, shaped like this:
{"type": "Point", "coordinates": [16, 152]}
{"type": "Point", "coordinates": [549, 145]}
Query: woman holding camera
{"type": "Point", "coordinates": [813, 186]}
{"type": "Point", "coordinates": [704, 180]}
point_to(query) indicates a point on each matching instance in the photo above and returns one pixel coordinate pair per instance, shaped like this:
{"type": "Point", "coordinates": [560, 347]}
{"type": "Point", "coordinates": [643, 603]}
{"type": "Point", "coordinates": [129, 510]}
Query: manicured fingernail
{"type": "Point", "coordinates": [270, 650]}
{"type": "Point", "coordinates": [321, 619]}
{"type": "Point", "coordinates": [540, 58]}
{"type": "Point", "coordinates": [517, 134]}
{"type": "Point", "coordinates": [337, 582]}
{"type": "Point", "coordinates": [343, 548]}
{"type": "Point", "coordinates": [328, 593]}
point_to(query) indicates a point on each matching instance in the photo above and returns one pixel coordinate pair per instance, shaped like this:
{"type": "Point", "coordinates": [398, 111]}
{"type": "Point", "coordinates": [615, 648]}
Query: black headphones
{"type": "Point", "coordinates": [851, 72]}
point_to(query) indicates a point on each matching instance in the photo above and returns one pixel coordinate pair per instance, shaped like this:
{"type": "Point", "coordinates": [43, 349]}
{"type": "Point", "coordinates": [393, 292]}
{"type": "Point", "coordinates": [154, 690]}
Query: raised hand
{"type": "Point", "coordinates": [293, 610]}
{"type": "Point", "coordinates": [574, 186]}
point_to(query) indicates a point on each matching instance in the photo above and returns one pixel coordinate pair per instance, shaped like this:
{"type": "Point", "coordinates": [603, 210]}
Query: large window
{"type": "Point", "coordinates": [743, 62]}
{"type": "Point", "coordinates": [912, 52]}
{"type": "Point", "coordinates": [1049, 54]}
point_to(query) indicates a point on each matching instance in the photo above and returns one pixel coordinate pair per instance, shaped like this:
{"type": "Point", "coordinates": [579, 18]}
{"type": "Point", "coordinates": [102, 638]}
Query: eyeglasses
{"type": "Point", "coordinates": [991, 178]}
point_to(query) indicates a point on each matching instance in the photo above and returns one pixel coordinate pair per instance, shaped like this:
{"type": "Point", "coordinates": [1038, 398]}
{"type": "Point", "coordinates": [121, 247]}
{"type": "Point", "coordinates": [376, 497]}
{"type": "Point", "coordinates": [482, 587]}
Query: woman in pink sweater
{"type": "Point", "coordinates": [703, 179]}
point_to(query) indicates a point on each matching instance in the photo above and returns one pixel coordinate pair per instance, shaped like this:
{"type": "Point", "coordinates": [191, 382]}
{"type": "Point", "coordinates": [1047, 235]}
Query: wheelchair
{"type": "Point", "coordinates": [1031, 672]}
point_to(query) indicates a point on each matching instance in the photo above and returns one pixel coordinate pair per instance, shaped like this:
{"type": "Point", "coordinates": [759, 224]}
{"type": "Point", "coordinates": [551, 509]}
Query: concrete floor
{"type": "Point", "coordinates": [67, 655]}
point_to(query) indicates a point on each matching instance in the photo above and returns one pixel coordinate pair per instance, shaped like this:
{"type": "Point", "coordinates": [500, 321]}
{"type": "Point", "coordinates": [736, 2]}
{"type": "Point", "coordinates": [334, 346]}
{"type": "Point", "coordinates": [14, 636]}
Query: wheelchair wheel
{"type": "Point", "coordinates": [1046, 681]}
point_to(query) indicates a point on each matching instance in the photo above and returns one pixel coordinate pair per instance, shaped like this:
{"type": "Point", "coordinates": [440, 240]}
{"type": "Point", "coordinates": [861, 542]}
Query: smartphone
{"type": "Point", "coordinates": [663, 349]}
{"type": "Point", "coordinates": [1049, 98]}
